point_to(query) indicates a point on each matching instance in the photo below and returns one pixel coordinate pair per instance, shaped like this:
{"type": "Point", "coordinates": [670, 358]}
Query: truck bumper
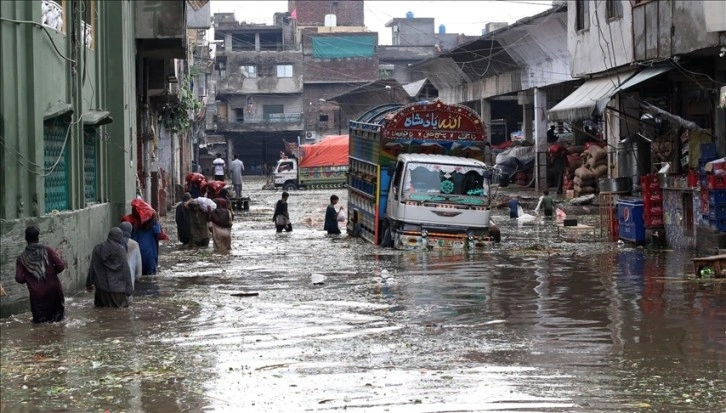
{"type": "Point", "coordinates": [417, 241]}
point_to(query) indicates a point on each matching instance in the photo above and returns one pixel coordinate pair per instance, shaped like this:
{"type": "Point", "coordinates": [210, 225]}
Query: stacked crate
{"type": "Point", "coordinates": [708, 154]}
{"type": "Point", "coordinates": [652, 201]}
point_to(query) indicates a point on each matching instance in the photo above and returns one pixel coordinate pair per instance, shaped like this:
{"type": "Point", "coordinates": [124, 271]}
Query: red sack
{"type": "Point", "coordinates": [142, 210]}
{"type": "Point", "coordinates": [215, 187]}
{"type": "Point", "coordinates": [195, 178]}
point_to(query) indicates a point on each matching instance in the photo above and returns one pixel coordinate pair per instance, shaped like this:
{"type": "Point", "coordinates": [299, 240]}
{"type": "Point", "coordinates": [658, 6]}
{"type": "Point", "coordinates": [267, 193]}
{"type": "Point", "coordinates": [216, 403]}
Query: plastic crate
{"type": "Point", "coordinates": [653, 220]}
{"type": "Point", "coordinates": [716, 197]}
{"type": "Point", "coordinates": [719, 224]}
{"type": "Point", "coordinates": [704, 208]}
{"type": "Point", "coordinates": [716, 181]}
{"type": "Point", "coordinates": [708, 150]}
{"type": "Point", "coordinates": [652, 197]}
{"type": "Point", "coordinates": [653, 209]}
{"type": "Point", "coordinates": [649, 182]}
{"type": "Point", "coordinates": [703, 181]}
{"type": "Point", "coordinates": [716, 211]}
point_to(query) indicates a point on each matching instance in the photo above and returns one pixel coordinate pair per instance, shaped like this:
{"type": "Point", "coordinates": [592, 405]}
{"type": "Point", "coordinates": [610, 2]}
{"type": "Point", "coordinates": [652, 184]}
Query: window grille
{"type": "Point", "coordinates": [56, 182]}
{"type": "Point", "coordinates": [90, 163]}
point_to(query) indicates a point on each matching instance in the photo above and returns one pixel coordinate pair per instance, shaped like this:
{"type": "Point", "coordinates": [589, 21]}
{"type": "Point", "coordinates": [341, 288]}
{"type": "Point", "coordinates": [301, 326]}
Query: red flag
{"type": "Point", "coordinates": [293, 15]}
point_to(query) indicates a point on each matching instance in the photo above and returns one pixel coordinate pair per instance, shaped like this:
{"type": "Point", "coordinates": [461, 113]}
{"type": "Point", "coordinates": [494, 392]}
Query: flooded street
{"type": "Point", "coordinates": [533, 324]}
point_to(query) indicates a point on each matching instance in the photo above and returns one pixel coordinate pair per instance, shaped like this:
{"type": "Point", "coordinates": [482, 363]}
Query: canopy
{"type": "Point", "coordinates": [331, 151]}
{"type": "Point", "coordinates": [590, 98]}
{"type": "Point", "coordinates": [642, 76]}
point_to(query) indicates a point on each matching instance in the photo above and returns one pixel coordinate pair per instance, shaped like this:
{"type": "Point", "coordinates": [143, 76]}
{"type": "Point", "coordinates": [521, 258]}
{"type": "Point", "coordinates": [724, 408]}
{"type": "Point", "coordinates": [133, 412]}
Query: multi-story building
{"type": "Point", "coordinates": [72, 106]}
{"type": "Point", "coordinates": [258, 89]}
{"type": "Point", "coordinates": [653, 69]}
{"type": "Point", "coordinates": [339, 54]}
{"type": "Point", "coordinates": [413, 40]}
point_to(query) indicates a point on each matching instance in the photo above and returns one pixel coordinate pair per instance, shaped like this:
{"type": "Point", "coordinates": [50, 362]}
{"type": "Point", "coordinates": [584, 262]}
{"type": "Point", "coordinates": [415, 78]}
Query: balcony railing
{"type": "Point", "coordinates": [52, 15]}
{"type": "Point", "coordinates": [269, 120]}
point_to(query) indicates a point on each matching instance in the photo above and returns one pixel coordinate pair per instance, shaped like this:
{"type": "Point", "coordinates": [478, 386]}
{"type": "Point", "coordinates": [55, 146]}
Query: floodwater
{"type": "Point", "coordinates": [533, 324]}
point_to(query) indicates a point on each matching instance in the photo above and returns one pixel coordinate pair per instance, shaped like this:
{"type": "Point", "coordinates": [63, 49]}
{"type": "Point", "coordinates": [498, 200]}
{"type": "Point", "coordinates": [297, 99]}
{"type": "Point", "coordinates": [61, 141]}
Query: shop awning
{"type": "Point", "coordinates": [642, 76]}
{"type": "Point", "coordinates": [589, 99]}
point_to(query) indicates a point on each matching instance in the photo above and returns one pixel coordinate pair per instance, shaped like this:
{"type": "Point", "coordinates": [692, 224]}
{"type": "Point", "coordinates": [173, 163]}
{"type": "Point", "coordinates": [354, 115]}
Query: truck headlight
{"type": "Point", "coordinates": [424, 233]}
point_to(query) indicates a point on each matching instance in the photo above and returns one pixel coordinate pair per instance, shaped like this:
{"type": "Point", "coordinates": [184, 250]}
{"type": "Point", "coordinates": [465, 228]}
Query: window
{"type": "Point", "coordinates": [614, 9]}
{"type": "Point", "coordinates": [269, 110]}
{"type": "Point", "coordinates": [249, 72]}
{"type": "Point", "coordinates": [284, 70]}
{"type": "Point", "coordinates": [52, 15]}
{"type": "Point", "coordinates": [582, 19]}
{"type": "Point", "coordinates": [443, 182]}
{"type": "Point", "coordinates": [323, 118]}
{"type": "Point", "coordinates": [239, 115]}
{"type": "Point", "coordinates": [55, 160]}
{"type": "Point", "coordinates": [90, 163]}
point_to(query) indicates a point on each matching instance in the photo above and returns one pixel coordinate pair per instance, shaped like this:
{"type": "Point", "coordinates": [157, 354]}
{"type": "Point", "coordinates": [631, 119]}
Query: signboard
{"type": "Point", "coordinates": [435, 121]}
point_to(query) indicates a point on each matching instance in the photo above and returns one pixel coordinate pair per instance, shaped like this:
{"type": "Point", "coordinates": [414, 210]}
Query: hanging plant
{"type": "Point", "coordinates": [177, 117]}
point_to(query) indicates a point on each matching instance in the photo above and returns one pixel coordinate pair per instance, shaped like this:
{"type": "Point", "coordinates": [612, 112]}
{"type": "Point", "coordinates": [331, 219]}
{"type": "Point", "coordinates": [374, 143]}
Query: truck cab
{"type": "Point", "coordinates": [285, 174]}
{"type": "Point", "coordinates": [437, 201]}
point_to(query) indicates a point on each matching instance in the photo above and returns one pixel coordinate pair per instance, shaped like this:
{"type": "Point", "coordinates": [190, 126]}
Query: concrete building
{"type": "Point", "coordinates": [659, 60]}
{"type": "Point", "coordinates": [68, 129]}
{"type": "Point", "coordinates": [314, 13]}
{"type": "Point", "coordinates": [414, 39]}
{"type": "Point", "coordinates": [512, 74]}
{"type": "Point", "coordinates": [80, 127]}
{"type": "Point", "coordinates": [258, 90]}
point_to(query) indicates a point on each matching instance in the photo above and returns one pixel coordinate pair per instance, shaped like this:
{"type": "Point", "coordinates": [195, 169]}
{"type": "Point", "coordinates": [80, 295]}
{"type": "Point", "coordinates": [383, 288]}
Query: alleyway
{"type": "Point", "coordinates": [534, 324]}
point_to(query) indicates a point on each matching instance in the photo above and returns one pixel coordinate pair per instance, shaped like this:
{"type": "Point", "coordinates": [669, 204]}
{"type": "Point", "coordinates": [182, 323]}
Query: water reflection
{"type": "Point", "coordinates": [535, 324]}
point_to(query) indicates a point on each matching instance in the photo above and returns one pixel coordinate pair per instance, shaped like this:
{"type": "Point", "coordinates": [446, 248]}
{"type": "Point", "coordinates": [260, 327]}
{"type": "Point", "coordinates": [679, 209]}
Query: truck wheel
{"type": "Point", "coordinates": [289, 186]}
{"type": "Point", "coordinates": [387, 237]}
{"type": "Point", "coordinates": [495, 234]}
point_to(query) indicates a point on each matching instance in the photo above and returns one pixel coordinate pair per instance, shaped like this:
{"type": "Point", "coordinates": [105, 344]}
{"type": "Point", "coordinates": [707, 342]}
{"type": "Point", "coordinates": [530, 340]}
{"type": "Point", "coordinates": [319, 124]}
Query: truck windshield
{"type": "Point", "coordinates": [434, 182]}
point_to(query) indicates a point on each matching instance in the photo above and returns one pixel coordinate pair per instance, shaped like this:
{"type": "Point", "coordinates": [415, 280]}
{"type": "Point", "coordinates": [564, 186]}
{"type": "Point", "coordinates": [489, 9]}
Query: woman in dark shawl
{"type": "Point", "coordinates": [221, 219]}
{"type": "Point", "coordinates": [198, 220]}
{"type": "Point", "coordinates": [109, 272]}
{"type": "Point", "coordinates": [38, 267]}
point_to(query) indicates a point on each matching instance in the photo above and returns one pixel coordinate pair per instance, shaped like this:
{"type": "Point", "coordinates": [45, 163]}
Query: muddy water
{"type": "Point", "coordinates": [535, 324]}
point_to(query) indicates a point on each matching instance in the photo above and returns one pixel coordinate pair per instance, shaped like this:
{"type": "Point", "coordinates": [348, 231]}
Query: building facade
{"type": "Point", "coordinates": [258, 90]}
{"type": "Point", "coordinates": [68, 129]}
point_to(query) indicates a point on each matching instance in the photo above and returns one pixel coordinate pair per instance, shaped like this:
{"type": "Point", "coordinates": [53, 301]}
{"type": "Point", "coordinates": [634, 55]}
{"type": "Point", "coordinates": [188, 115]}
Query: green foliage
{"type": "Point", "coordinates": [178, 116]}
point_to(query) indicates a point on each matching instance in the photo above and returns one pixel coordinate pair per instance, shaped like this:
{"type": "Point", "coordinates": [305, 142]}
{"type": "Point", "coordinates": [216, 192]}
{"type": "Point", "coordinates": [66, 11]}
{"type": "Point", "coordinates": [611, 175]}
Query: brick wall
{"type": "Point", "coordinates": [312, 12]}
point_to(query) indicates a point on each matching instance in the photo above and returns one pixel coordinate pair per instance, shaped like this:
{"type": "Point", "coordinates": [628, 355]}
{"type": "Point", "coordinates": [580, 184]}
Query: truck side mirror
{"type": "Point", "coordinates": [391, 168]}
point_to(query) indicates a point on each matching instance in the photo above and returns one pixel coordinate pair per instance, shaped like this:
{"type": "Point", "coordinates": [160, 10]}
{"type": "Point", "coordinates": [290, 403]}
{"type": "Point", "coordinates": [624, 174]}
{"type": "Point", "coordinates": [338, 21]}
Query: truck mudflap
{"type": "Point", "coordinates": [432, 241]}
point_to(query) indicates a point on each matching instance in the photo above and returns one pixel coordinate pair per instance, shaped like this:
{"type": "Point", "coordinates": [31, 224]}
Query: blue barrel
{"type": "Point", "coordinates": [630, 220]}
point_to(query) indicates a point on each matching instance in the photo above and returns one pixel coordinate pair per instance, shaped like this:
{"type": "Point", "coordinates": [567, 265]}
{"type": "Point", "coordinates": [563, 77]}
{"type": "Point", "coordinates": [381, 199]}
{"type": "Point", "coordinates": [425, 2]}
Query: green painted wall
{"type": "Point", "coordinates": [33, 77]}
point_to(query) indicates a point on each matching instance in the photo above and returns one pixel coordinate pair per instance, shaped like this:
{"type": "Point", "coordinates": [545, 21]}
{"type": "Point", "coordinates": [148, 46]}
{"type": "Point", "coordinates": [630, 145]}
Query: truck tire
{"type": "Point", "coordinates": [289, 186]}
{"type": "Point", "coordinates": [386, 236]}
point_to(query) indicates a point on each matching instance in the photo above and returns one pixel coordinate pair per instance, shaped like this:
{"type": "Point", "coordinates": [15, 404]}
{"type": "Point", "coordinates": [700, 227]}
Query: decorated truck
{"type": "Point", "coordinates": [314, 166]}
{"type": "Point", "coordinates": [417, 178]}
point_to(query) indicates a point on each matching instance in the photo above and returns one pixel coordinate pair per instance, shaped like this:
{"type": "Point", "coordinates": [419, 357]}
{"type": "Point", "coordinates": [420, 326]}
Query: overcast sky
{"type": "Point", "coordinates": [467, 17]}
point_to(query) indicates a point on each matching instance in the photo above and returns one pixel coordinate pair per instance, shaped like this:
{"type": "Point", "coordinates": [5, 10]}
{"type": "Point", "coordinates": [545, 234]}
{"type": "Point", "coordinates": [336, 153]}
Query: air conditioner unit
{"type": "Point", "coordinates": [311, 135]}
